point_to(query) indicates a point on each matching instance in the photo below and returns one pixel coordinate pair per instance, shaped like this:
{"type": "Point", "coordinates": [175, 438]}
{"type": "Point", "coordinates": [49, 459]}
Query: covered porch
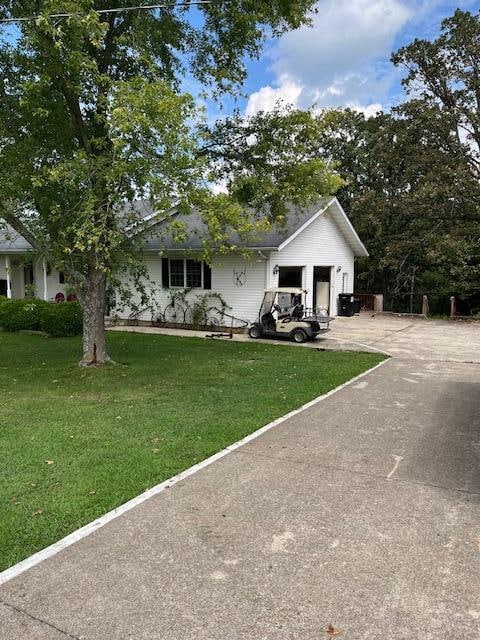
{"type": "Point", "coordinates": [22, 275]}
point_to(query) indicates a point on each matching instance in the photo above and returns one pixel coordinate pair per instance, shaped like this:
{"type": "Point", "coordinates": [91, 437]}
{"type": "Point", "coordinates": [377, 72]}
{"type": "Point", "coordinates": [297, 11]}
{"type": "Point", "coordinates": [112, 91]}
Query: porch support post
{"type": "Point", "coordinates": [45, 288]}
{"type": "Point", "coordinates": [308, 284]}
{"type": "Point", "coordinates": [9, 279]}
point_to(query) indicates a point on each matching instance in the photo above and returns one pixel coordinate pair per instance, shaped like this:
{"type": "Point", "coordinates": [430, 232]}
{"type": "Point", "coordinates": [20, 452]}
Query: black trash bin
{"type": "Point", "coordinates": [357, 306]}
{"type": "Point", "coordinates": [345, 304]}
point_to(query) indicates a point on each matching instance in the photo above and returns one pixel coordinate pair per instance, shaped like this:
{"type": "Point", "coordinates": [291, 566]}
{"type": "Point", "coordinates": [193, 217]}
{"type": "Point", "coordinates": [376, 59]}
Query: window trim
{"type": "Point", "coordinates": [184, 286]}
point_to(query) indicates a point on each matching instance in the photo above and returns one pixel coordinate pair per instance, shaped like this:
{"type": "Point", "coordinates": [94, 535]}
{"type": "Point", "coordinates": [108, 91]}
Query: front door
{"type": "Point", "coordinates": [321, 288]}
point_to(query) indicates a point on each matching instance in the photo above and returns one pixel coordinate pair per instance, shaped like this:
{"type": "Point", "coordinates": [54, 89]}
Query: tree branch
{"type": "Point", "coordinates": [19, 226]}
{"type": "Point", "coordinates": [76, 114]}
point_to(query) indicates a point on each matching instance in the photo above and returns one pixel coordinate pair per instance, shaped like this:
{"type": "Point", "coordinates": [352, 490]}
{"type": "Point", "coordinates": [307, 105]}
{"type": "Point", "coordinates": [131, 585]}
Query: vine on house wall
{"type": "Point", "coordinates": [204, 310]}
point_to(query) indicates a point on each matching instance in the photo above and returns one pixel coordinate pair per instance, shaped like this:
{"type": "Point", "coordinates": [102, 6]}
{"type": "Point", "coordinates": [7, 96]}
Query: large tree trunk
{"type": "Point", "coordinates": [93, 301]}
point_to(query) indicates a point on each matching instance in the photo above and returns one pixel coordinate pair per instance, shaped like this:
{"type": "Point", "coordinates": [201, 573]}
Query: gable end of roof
{"type": "Point", "coordinates": [342, 222]}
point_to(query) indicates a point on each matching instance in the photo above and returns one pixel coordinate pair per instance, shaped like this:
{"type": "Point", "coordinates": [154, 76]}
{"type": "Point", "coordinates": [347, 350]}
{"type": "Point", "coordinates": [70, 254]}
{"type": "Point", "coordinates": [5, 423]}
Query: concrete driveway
{"type": "Point", "coordinates": [361, 512]}
{"type": "Point", "coordinates": [409, 338]}
{"type": "Point", "coordinates": [400, 336]}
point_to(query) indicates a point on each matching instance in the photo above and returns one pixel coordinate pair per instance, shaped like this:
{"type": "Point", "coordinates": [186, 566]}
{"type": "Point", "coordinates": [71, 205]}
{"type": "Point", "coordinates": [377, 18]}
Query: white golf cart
{"type": "Point", "coordinates": [283, 315]}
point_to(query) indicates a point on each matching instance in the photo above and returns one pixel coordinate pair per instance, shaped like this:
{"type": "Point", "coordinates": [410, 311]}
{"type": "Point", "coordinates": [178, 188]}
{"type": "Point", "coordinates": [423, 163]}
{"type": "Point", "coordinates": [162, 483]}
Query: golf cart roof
{"type": "Point", "coordinates": [285, 290]}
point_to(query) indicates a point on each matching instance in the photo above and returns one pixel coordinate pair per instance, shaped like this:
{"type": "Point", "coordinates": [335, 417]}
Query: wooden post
{"type": "Point", "coordinates": [412, 289]}
{"type": "Point", "coordinates": [425, 307]}
{"type": "Point", "coordinates": [45, 287]}
{"type": "Point", "coordinates": [378, 303]}
{"type": "Point", "coordinates": [9, 279]}
{"type": "Point", "coordinates": [453, 307]}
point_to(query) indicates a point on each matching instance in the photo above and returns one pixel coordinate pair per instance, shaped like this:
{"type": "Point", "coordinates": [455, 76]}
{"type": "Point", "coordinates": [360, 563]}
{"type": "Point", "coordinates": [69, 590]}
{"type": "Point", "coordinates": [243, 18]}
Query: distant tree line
{"type": "Point", "coordinates": [412, 175]}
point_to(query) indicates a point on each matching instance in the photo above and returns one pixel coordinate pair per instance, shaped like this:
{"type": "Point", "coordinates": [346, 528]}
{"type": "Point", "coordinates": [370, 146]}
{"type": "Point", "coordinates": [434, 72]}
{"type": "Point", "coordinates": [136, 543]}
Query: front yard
{"type": "Point", "coordinates": [76, 443]}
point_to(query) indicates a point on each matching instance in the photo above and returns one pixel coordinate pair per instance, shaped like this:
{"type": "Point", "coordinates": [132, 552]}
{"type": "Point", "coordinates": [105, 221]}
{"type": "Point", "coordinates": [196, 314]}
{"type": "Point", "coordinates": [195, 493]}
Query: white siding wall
{"type": "Point", "coordinates": [154, 267]}
{"type": "Point", "coordinates": [320, 245]}
{"type": "Point", "coordinates": [244, 300]}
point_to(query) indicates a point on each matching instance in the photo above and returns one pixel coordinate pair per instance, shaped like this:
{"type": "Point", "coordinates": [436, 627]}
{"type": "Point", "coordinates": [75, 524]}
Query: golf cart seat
{"type": "Point", "coordinates": [268, 321]}
{"type": "Point", "coordinates": [297, 312]}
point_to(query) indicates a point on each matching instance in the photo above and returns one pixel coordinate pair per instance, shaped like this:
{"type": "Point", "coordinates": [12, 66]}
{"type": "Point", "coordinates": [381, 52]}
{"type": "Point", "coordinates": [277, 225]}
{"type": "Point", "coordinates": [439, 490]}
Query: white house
{"type": "Point", "coordinates": [315, 250]}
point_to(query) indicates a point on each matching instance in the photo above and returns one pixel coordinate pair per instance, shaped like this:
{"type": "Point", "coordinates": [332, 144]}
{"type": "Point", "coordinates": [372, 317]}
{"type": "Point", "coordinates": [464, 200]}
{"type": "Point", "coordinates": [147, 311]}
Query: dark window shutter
{"type": "Point", "coordinates": [165, 273]}
{"type": "Point", "coordinates": [207, 276]}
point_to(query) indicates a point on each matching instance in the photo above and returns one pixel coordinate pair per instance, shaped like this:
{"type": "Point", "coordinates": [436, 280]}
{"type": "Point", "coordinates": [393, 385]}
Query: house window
{"type": "Point", "coordinates": [290, 277]}
{"type": "Point", "coordinates": [177, 273]}
{"type": "Point", "coordinates": [345, 283]}
{"type": "Point", "coordinates": [61, 277]}
{"type": "Point", "coordinates": [185, 274]}
{"type": "Point", "coordinates": [194, 274]}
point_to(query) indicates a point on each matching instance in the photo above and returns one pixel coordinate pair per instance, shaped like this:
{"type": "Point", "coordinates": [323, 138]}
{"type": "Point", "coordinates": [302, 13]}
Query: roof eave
{"type": "Point", "coordinates": [358, 248]}
{"type": "Point", "coordinates": [197, 250]}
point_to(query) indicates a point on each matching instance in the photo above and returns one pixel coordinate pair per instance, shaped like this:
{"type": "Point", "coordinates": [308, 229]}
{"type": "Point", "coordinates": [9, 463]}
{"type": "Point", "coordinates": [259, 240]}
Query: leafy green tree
{"type": "Point", "coordinates": [443, 84]}
{"type": "Point", "coordinates": [94, 115]}
{"type": "Point", "coordinates": [414, 204]}
{"type": "Point", "coordinates": [412, 176]}
{"type": "Point", "coordinates": [443, 78]}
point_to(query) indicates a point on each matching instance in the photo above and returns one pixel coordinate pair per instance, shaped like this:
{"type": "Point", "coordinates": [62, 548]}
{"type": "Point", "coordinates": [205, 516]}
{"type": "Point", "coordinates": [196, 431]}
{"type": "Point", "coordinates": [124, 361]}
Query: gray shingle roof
{"type": "Point", "coordinates": [12, 242]}
{"type": "Point", "coordinates": [196, 232]}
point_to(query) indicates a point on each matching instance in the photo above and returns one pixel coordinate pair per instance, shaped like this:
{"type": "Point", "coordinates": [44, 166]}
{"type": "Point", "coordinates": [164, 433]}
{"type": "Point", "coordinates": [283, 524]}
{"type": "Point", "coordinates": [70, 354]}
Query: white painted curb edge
{"type": "Point", "coordinates": [83, 532]}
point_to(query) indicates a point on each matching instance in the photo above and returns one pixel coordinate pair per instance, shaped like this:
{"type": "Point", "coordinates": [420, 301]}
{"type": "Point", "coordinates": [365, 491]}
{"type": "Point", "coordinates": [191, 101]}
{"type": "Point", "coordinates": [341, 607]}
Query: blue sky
{"type": "Point", "coordinates": [344, 58]}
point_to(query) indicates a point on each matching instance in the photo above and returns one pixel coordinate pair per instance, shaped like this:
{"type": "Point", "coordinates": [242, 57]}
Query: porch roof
{"type": "Point", "coordinates": [13, 242]}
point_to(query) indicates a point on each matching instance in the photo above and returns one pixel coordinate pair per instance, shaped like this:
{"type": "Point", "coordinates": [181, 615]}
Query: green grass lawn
{"type": "Point", "coordinates": [76, 443]}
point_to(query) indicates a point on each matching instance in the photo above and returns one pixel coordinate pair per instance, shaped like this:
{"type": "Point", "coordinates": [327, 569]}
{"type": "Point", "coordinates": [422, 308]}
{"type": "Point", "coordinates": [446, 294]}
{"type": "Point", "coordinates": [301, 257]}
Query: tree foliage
{"type": "Point", "coordinates": [94, 115]}
{"type": "Point", "coordinates": [412, 175]}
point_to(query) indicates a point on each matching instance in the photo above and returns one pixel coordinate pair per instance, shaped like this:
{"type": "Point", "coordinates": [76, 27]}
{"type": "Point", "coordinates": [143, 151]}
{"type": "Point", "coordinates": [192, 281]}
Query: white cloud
{"type": "Point", "coordinates": [266, 98]}
{"type": "Point", "coordinates": [368, 110]}
{"type": "Point", "coordinates": [340, 60]}
{"type": "Point", "coordinates": [219, 187]}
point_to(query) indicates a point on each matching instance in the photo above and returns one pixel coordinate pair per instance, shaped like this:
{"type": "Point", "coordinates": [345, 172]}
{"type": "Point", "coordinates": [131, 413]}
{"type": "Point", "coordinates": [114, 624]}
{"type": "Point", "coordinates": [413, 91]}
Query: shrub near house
{"type": "Point", "coordinates": [32, 314]}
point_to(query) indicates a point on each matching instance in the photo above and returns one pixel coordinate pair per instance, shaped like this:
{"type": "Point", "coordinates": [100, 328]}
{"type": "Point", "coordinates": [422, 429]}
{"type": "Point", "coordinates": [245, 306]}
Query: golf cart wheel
{"type": "Point", "coordinates": [299, 336]}
{"type": "Point", "coordinates": [255, 332]}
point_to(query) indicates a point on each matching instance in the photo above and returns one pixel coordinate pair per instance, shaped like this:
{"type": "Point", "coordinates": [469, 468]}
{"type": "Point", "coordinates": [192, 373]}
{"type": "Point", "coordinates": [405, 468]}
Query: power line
{"type": "Point", "coordinates": [143, 7]}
